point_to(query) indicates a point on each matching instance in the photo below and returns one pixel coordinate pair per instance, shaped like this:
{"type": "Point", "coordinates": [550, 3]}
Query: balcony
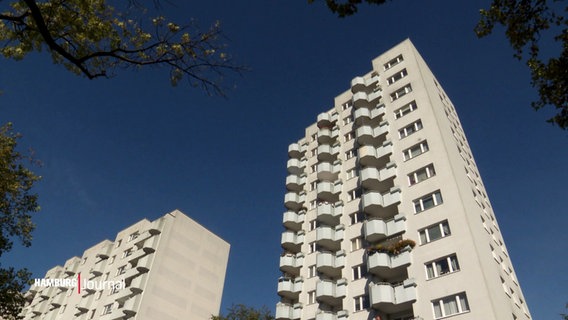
{"type": "Point", "coordinates": [136, 255]}
{"type": "Point", "coordinates": [84, 304]}
{"type": "Point", "coordinates": [375, 136]}
{"type": "Point", "coordinates": [330, 264]}
{"type": "Point", "coordinates": [57, 301]}
{"type": "Point", "coordinates": [370, 156]}
{"type": "Point", "coordinates": [331, 292]}
{"type": "Point", "coordinates": [328, 171]}
{"type": "Point", "coordinates": [131, 306]}
{"type": "Point", "coordinates": [327, 135]}
{"type": "Point", "coordinates": [366, 100]}
{"type": "Point", "coordinates": [145, 236]}
{"type": "Point", "coordinates": [325, 120]}
{"type": "Point", "coordinates": [326, 315]}
{"type": "Point", "coordinates": [376, 230]}
{"type": "Point", "coordinates": [392, 298]}
{"type": "Point", "coordinates": [328, 153]}
{"type": "Point", "coordinates": [330, 237]}
{"type": "Point", "coordinates": [296, 151]}
{"type": "Point", "coordinates": [96, 270]}
{"type": "Point", "coordinates": [290, 288]}
{"type": "Point", "coordinates": [295, 183]}
{"type": "Point", "coordinates": [378, 179]}
{"type": "Point", "coordinates": [292, 241]}
{"type": "Point", "coordinates": [329, 213]}
{"type": "Point", "coordinates": [329, 191]}
{"type": "Point", "coordinates": [381, 205]}
{"type": "Point", "coordinates": [134, 272]}
{"type": "Point", "coordinates": [386, 266]}
{"type": "Point", "coordinates": [294, 201]}
{"type": "Point", "coordinates": [291, 263]}
{"type": "Point", "coordinates": [360, 83]}
{"type": "Point", "coordinates": [40, 307]}
{"type": "Point", "coordinates": [286, 311]}
{"type": "Point", "coordinates": [296, 166]}
{"type": "Point", "coordinates": [293, 220]}
{"type": "Point", "coordinates": [137, 285]}
{"type": "Point", "coordinates": [371, 117]}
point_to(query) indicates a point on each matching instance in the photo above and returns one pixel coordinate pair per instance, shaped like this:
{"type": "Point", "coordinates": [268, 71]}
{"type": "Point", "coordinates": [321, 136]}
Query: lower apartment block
{"type": "Point", "coordinates": [170, 268]}
{"type": "Point", "coordinates": [386, 213]}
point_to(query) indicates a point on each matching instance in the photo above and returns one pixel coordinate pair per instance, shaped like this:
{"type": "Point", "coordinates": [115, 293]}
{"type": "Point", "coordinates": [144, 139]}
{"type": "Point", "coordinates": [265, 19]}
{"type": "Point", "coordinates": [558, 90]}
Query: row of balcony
{"type": "Point", "coordinates": [128, 310]}
{"type": "Point", "coordinates": [328, 153]}
{"type": "Point", "coordinates": [376, 230]}
{"type": "Point", "coordinates": [285, 311]}
{"type": "Point", "coordinates": [384, 296]}
{"type": "Point", "coordinates": [327, 213]}
{"type": "Point", "coordinates": [326, 171]}
{"type": "Point", "coordinates": [374, 203]}
{"type": "Point", "coordinates": [328, 237]}
{"type": "Point", "coordinates": [326, 262]}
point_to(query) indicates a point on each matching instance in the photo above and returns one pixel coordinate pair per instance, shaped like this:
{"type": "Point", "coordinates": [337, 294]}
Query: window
{"type": "Point", "coordinates": [346, 105]}
{"type": "Point", "coordinates": [107, 309]}
{"type": "Point", "coordinates": [359, 271]}
{"type": "Point", "coordinates": [397, 76]}
{"type": "Point", "coordinates": [347, 120]}
{"type": "Point", "coordinates": [356, 243]}
{"type": "Point", "coordinates": [118, 243]}
{"type": "Point", "coordinates": [314, 152]}
{"type": "Point", "coordinates": [401, 92]}
{"type": "Point", "coordinates": [121, 270]}
{"type": "Point", "coordinates": [311, 297]}
{"type": "Point", "coordinates": [349, 136]}
{"type": "Point", "coordinates": [393, 62]}
{"type": "Point", "coordinates": [434, 232]}
{"type": "Point", "coordinates": [361, 303]}
{"type": "Point", "coordinates": [313, 185]}
{"type": "Point", "coordinates": [410, 129]}
{"type": "Point", "coordinates": [450, 305]}
{"type": "Point", "coordinates": [415, 150]}
{"type": "Point", "coordinates": [111, 260]}
{"type": "Point", "coordinates": [312, 271]}
{"type": "Point", "coordinates": [133, 236]}
{"type": "Point", "coordinates": [357, 217]}
{"type": "Point", "coordinates": [127, 252]}
{"type": "Point", "coordinates": [350, 154]}
{"type": "Point", "coordinates": [351, 173]}
{"type": "Point", "coordinates": [442, 266]}
{"type": "Point", "coordinates": [313, 225]}
{"type": "Point", "coordinates": [404, 110]}
{"type": "Point", "coordinates": [428, 201]}
{"type": "Point", "coordinates": [313, 247]}
{"type": "Point", "coordinates": [313, 204]}
{"type": "Point", "coordinates": [115, 289]}
{"type": "Point", "coordinates": [314, 136]}
{"type": "Point", "coordinates": [314, 168]}
{"type": "Point", "coordinates": [421, 174]}
{"type": "Point", "coordinates": [353, 194]}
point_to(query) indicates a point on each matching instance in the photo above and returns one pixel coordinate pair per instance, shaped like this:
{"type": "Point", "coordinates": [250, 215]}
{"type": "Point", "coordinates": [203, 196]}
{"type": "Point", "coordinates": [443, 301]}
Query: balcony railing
{"type": "Point", "coordinates": [331, 292]}
{"type": "Point", "coordinates": [285, 311]}
{"type": "Point", "coordinates": [330, 263]}
{"type": "Point", "coordinates": [291, 263]}
{"type": "Point", "coordinates": [329, 213]}
{"type": "Point", "coordinates": [290, 288]}
{"type": "Point", "coordinates": [376, 230]}
{"type": "Point", "coordinates": [376, 204]}
{"type": "Point", "coordinates": [293, 220]}
{"type": "Point", "coordinates": [330, 237]}
{"type": "Point", "coordinates": [391, 298]}
{"type": "Point", "coordinates": [370, 156]}
{"type": "Point", "coordinates": [378, 179]}
{"type": "Point", "coordinates": [388, 266]}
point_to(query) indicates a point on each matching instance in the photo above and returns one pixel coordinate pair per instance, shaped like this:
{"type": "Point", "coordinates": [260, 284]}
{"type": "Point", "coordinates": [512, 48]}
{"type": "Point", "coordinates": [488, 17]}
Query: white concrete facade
{"type": "Point", "coordinates": [172, 268]}
{"type": "Point", "coordinates": [387, 216]}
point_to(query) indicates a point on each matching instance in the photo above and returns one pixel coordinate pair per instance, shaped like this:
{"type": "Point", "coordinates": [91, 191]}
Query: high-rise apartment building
{"type": "Point", "coordinates": [387, 217]}
{"type": "Point", "coordinates": [170, 268]}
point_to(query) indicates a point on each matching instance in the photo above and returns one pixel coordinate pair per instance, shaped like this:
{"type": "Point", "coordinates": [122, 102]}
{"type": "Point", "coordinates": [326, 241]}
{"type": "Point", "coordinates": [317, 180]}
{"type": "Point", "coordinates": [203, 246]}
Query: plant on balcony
{"type": "Point", "coordinates": [391, 249]}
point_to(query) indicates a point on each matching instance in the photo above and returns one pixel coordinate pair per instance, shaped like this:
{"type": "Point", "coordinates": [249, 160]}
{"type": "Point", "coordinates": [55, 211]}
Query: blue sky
{"type": "Point", "coordinates": [132, 147]}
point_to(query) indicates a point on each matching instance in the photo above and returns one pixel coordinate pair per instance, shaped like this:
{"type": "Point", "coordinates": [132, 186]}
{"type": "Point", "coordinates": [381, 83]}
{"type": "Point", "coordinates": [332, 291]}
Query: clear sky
{"type": "Point", "coordinates": [132, 147]}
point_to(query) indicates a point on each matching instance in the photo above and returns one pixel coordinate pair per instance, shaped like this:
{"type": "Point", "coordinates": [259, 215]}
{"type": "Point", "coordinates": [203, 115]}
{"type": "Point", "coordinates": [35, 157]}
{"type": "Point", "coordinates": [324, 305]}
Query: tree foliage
{"type": "Point", "coordinates": [347, 7]}
{"type": "Point", "coordinates": [526, 22]}
{"type": "Point", "coordinates": [243, 312]}
{"type": "Point", "coordinates": [93, 38]}
{"type": "Point", "coordinates": [16, 205]}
